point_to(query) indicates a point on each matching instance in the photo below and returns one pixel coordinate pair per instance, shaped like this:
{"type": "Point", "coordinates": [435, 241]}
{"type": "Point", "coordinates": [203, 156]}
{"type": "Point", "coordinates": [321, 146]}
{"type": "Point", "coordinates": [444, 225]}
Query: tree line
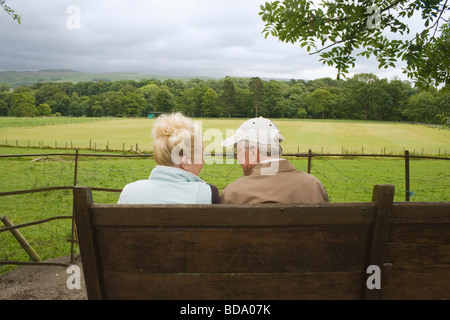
{"type": "Point", "coordinates": [362, 97]}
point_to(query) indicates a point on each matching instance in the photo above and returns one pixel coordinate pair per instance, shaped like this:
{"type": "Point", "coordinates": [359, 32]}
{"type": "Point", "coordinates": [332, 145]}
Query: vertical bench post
{"type": "Point", "coordinates": [383, 197]}
{"type": "Point", "coordinates": [82, 201]}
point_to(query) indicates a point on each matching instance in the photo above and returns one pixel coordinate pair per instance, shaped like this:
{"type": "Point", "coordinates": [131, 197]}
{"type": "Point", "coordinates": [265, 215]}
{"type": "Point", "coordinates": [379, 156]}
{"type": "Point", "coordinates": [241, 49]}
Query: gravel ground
{"type": "Point", "coordinates": [37, 282]}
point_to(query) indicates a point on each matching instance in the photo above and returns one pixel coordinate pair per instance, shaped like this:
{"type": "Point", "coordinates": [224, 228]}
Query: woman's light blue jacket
{"type": "Point", "coordinates": [167, 185]}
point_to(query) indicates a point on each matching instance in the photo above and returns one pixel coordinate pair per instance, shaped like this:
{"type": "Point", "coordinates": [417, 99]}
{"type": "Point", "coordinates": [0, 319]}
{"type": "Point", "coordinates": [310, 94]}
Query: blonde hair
{"type": "Point", "coordinates": [175, 136]}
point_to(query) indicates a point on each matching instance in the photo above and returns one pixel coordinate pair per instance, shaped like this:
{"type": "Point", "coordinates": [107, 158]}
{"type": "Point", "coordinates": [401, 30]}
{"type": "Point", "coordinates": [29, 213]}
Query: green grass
{"type": "Point", "coordinates": [12, 122]}
{"type": "Point", "coordinates": [346, 180]}
{"type": "Point", "coordinates": [321, 136]}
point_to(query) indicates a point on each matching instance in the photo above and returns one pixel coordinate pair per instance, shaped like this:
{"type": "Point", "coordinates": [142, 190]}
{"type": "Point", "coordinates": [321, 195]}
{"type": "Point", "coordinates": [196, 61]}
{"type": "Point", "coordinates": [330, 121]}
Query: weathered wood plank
{"type": "Point", "coordinates": [398, 285]}
{"type": "Point", "coordinates": [228, 215]}
{"type": "Point", "coordinates": [228, 286]}
{"type": "Point", "coordinates": [421, 212]}
{"type": "Point", "coordinates": [87, 242]}
{"type": "Point", "coordinates": [266, 251]}
{"type": "Point", "coordinates": [303, 248]}
{"type": "Point", "coordinates": [383, 198]}
{"type": "Point", "coordinates": [421, 248]}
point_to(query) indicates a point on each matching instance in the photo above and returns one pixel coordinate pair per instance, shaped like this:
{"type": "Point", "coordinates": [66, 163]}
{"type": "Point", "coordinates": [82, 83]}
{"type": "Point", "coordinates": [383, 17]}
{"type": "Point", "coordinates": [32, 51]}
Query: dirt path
{"type": "Point", "coordinates": [41, 283]}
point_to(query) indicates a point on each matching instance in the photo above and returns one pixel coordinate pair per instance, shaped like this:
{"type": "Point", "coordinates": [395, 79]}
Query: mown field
{"type": "Point", "coordinates": [321, 136]}
{"type": "Point", "coordinates": [346, 179]}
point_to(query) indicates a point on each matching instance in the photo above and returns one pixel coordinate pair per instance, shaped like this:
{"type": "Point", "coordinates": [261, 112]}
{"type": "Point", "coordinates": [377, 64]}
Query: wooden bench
{"type": "Point", "coordinates": [270, 251]}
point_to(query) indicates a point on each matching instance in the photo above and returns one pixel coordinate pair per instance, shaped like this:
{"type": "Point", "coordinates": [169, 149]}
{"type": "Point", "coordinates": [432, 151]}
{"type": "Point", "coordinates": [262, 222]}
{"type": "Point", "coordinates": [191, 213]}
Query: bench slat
{"type": "Point", "coordinates": [224, 215]}
{"type": "Point", "coordinates": [269, 251]}
{"type": "Point", "coordinates": [233, 249]}
{"type": "Point", "coordinates": [226, 286]}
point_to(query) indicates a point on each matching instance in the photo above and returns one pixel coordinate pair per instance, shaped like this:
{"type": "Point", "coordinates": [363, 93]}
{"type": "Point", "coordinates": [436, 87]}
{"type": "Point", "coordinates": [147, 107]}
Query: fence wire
{"type": "Point", "coordinates": [36, 187]}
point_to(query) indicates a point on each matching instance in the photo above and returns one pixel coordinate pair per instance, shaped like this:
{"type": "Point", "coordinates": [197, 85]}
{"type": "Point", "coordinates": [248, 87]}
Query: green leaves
{"type": "Point", "coordinates": [346, 29]}
{"type": "Point", "coordinates": [10, 11]}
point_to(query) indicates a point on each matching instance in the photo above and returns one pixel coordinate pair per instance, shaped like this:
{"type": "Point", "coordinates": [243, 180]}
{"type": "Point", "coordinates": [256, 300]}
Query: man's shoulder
{"type": "Point", "coordinates": [236, 183]}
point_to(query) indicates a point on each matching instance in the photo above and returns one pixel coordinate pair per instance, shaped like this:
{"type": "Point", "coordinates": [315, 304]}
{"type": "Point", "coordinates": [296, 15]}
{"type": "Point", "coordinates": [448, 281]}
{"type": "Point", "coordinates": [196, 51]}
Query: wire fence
{"type": "Point", "coordinates": [36, 199]}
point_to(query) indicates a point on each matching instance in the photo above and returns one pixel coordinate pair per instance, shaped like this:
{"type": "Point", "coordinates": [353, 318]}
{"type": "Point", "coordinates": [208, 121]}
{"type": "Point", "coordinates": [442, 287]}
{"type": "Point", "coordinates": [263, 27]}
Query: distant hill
{"type": "Point", "coordinates": [17, 78]}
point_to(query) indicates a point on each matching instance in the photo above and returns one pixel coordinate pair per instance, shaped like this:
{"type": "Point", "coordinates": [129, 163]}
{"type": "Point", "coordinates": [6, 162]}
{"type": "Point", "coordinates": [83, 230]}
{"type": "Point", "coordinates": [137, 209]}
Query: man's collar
{"type": "Point", "coordinates": [272, 166]}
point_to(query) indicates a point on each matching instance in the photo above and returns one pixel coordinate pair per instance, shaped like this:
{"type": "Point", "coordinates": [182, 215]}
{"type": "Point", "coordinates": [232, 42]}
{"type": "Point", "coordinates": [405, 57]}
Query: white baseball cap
{"type": "Point", "coordinates": [257, 130]}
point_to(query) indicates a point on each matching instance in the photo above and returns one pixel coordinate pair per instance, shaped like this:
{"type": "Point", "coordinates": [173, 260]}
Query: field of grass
{"type": "Point", "coordinates": [346, 180]}
{"type": "Point", "coordinates": [321, 136]}
{"type": "Point", "coordinates": [11, 122]}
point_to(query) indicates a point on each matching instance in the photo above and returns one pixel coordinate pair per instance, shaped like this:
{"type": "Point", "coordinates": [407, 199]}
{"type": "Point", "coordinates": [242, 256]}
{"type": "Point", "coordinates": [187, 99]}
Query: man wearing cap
{"type": "Point", "coordinates": [267, 177]}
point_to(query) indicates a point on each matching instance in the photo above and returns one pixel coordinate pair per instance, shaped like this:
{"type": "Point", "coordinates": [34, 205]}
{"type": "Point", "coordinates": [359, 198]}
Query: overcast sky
{"type": "Point", "coordinates": [215, 38]}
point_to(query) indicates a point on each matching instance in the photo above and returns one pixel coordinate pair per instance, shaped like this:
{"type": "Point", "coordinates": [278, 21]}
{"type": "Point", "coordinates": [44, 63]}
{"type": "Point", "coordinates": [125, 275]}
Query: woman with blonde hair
{"type": "Point", "coordinates": [178, 153]}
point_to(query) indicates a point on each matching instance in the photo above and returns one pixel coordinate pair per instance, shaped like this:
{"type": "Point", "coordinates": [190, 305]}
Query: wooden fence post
{"type": "Point", "coordinates": [75, 175]}
{"type": "Point", "coordinates": [309, 161]}
{"type": "Point", "coordinates": [407, 192]}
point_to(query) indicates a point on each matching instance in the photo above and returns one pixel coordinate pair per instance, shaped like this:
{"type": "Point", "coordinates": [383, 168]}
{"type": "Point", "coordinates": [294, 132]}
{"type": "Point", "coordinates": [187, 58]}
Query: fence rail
{"type": "Point", "coordinates": [310, 155]}
{"type": "Point", "coordinates": [107, 146]}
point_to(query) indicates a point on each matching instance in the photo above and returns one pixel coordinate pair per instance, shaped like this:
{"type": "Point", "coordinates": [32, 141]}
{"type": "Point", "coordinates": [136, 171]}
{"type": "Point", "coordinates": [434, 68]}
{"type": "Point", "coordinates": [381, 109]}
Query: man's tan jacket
{"type": "Point", "coordinates": [275, 182]}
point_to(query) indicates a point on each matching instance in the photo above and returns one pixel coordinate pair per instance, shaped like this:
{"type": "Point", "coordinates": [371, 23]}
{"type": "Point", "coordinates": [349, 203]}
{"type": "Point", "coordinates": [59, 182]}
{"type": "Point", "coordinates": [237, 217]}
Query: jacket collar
{"type": "Point", "coordinates": [173, 174]}
{"type": "Point", "coordinates": [272, 167]}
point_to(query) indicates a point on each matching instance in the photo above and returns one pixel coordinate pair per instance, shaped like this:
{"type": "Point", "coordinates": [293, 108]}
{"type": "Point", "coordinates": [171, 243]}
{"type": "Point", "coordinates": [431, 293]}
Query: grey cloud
{"type": "Point", "coordinates": [177, 37]}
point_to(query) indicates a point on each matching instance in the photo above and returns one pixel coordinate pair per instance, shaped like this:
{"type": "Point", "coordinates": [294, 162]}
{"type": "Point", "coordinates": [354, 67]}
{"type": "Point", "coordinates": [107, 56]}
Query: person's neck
{"type": "Point", "coordinates": [269, 159]}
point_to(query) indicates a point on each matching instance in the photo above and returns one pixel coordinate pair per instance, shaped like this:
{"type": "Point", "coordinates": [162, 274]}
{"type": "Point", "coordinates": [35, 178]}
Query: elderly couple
{"type": "Point", "coordinates": [178, 152]}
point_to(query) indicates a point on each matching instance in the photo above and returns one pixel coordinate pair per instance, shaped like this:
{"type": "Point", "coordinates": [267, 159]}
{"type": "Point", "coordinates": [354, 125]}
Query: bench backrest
{"type": "Point", "coordinates": [269, 251]}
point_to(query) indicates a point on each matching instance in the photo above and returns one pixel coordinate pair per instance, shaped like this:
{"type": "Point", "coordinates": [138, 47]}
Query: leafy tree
{"type": "Point", "coordinates": [84, 105]}
{"type": "Point", "coordinates": [4, 87]}
{"type": "Point", "coordinates": [175, 87]}
{"type": "Point", "coordinates": [282, 109]}
{"type": "Point", "coordinates": [133, 105]}
{"type": "Point", "coordinates": [75, 109]}
{"type": "Point", "coordinates": [301, 113]}
{"type": "Point", "coordinates": [399, 91]}
{"type": "Point", "coordinates": [273, 96]}
{"type": "Point", "coordinates": [165, 101]}
{"type": "Point", "coordinates": [443, 105]}
{"type": "Point", "coordinates": [97, 109]}
{"type": "Point", "coordinates": [320, 102]}
{"type": "Point", "coordinates": [5, 98]}
{"type": "Point", "coordinates": [297, 100]}
{"type": "Point", "coordinates": [209, 103]}
{"type": "Point", "coordinates": [421, 108]}
{"type": "Point", "coordinates": [149, 93]}
{"type": "Point", "coordinates": [22, 88]}
{"type": "Point", "coordinates": [82, 88]}
{"type": "Point", "coordinates": [131, 100]}
{"type": "Point", "coordinates": [92, 89]}
{"type": "Point", "coordinates": [256, 87]}
{"type": "Point", "coordinates": [111, 102]}
{"type": "Point", "coordinates": [43, 110]}
{"type": "Point", "coordinates": [339, 31]}
{"type": "Point", "coordinates": [48, 92]}
{"type": "Point", "coordinates": [382, 101]}
{"type": "Point", "coordinates": [363, 94]}
{"type": "Point", "coordinates": [59, 103]}
{"type": "Point", "coordinates": [67, 87]}
{"type": "Point", "coordinates": [22, 105]}
{"type": "Point", "coordinates": [430, 61]}
{"type": "Point", "coordinates": [191, 100]}
{"type": "Point", "coordinates": [228, 96]}
{"type": "Point", "coordinates": [244, 105]}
